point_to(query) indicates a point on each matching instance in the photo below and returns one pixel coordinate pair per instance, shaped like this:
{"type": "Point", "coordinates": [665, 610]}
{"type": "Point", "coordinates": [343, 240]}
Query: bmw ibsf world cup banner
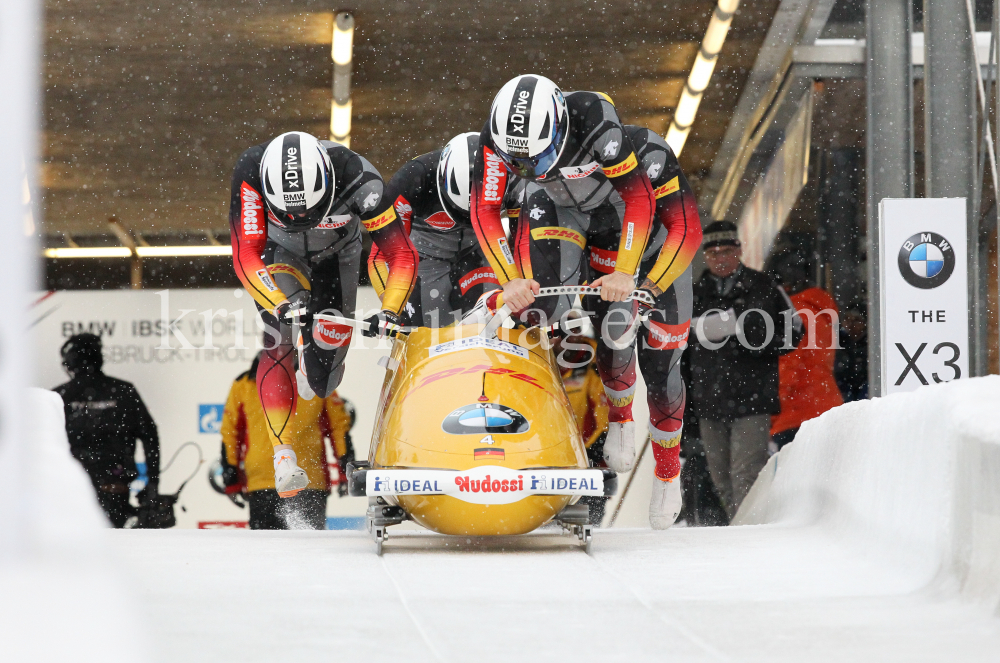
{"type": "Point", "coordinates": [924, 288]}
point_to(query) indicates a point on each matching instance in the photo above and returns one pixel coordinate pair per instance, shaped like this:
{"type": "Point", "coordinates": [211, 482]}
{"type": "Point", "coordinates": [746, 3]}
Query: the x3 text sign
{"type": "Point", "coordinates": [924, 292]}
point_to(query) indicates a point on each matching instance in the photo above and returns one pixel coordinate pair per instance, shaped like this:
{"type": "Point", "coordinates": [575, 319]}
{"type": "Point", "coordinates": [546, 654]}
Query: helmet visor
{"type": "Point", "coordinates": [537, 166]}
{"type": "Point", "coordinates": [304, 219]}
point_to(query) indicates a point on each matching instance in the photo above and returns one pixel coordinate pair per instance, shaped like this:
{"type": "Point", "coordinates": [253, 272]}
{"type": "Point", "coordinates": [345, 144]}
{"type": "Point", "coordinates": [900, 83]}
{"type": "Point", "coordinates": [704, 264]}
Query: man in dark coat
{"type": "Point", "coordinates": [104, 418]}
{"type": "Point", "coordinates": [742, 321]}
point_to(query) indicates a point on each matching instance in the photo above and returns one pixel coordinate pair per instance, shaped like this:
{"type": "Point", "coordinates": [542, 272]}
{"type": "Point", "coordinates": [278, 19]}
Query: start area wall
{"type": "Point", "coordinates": [182, 349]}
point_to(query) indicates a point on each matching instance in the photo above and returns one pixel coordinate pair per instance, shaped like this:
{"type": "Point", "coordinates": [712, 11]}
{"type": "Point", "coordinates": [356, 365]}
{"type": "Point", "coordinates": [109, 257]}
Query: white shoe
{"type": "Point", "coordinates": [619, 446]}
{"type": "Point", "coordinates": [665, 504]}
{"type": "Point", "coordinates": [289, 478]}
{"type": "Point", "coordinates": [302, 385]}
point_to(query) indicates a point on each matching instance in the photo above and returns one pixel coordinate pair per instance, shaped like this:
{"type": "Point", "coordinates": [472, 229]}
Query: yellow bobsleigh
{"type": "Point", "coordinates": [474, 435]}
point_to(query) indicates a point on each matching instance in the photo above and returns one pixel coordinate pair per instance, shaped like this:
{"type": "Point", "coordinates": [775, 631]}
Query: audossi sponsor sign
{"type": "Point", "coordinates": [487, 484]}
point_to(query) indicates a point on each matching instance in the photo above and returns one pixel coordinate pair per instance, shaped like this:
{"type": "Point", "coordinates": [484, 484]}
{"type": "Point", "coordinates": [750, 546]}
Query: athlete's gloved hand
{"type": "Point", "coordinates": [282, 309]}
{"type": "Point", "coordinates": [230, 475]}
{"type": "Point", "coordinates": [150, 491]}
{"type": "Point", "coordinates": [373, 328]}
{"type": "Point", "coordinates": [646, 308]}
{"type": "Point", "coordinates": [292, 316]}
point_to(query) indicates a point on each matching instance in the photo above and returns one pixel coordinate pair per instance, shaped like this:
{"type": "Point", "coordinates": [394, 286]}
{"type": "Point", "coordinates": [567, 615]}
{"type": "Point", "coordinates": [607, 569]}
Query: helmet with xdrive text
{"type": "Point", "coordinates": [528, 122]}
{"type": "Point", "coordinates": [298, 180]}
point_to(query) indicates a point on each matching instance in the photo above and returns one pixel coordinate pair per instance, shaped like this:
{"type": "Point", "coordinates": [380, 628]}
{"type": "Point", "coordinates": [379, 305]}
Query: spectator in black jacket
{"type": "Point", "coordinates": [104, 418]}
{"type": "Point", "coordinates": [742, 321]}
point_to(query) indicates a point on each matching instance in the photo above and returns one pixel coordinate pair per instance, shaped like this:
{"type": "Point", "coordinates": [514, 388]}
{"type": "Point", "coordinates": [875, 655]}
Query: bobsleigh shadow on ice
{"type": "Point", "coordinates": [474, 436]}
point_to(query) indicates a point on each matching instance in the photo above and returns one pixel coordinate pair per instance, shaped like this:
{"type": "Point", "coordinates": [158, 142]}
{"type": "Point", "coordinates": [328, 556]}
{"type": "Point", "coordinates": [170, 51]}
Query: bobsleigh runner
{"type": "Point", "coordinates": [474, 435]}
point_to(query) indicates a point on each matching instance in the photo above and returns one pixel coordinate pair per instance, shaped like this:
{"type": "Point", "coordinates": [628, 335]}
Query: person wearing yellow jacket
{"type": "Point", "coordinates": [577, 358]}
{"type": "Point", "coordinates": [249, 454]}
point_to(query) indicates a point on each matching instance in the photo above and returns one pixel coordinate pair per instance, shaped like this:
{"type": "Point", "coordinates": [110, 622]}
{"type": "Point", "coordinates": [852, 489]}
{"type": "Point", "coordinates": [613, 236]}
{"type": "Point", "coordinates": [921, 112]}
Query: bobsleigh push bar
{"type": "Point", "coordinates": [502, 314]}
{"type": "Point", "coordinates": [625, 340]}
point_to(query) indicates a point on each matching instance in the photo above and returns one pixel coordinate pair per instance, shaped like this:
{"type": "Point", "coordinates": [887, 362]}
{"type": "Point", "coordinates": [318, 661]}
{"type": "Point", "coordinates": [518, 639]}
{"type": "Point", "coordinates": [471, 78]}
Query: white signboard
{"type": "Point", "coordinates": [924, 292]}
{"type": "Point", "coordinates": [185, 376]}
{"type": "Point", "coordinates": [486, 484]}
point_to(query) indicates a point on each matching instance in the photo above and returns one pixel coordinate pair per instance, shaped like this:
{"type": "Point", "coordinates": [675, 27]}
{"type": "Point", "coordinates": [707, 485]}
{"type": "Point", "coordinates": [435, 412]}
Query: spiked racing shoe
{"type": "Point", "coordinates": [665, 503]}
{"type": "Point", "coordinates": [289, 478]}
{"type": "Point", "coordinates": [619, 446]}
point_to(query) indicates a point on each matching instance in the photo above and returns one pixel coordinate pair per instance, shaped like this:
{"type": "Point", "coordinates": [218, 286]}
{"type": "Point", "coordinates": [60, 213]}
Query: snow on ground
{"type": "Point", "coordinates": [874, 537]}
{"type": "Point", "coordinates": [737, 594]}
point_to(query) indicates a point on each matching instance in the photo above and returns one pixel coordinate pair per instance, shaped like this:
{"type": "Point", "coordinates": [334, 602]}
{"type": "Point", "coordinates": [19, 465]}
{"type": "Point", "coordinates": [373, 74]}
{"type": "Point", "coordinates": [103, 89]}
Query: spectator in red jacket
{"type": "Point", "coordinates": [806, 384]}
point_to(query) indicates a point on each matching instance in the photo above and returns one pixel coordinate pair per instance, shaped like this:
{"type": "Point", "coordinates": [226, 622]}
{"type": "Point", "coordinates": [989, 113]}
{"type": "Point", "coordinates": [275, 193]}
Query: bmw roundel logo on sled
{"type": "Point", "coordinates": [484, 418]}
{"type": "Point", "coordinates": [926, 260]}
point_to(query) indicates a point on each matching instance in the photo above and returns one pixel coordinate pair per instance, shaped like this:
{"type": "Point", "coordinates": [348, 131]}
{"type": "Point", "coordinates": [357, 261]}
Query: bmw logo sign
{"type": "Point", "coordinates": [485, 418]}
{"type": "Point", "coordinates": [926, 260]}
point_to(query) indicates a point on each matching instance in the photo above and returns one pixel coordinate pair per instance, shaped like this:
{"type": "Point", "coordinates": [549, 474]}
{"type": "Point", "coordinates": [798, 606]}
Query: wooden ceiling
{"type": "Point", "coordinates": [147, 105]}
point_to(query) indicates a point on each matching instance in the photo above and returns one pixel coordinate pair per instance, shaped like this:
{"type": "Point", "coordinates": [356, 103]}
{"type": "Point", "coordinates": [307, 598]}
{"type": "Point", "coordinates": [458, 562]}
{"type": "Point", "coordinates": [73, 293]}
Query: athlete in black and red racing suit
{"type": "Point", "coordinates": [665, 271]}
{"type": "Point", "coordinates": [296, 213]}
{"type": "Point", "coordinates": [582, 187]}
{"type": "Point", "coordinates": [431, 197]}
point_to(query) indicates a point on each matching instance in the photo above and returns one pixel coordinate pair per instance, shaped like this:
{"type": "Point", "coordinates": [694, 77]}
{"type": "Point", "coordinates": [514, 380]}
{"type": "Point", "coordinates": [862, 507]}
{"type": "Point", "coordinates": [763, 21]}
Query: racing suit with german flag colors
{"type": "Point", "coordinates": [666, 271]}
{"type": "Point", "coordinates": [453, 273]}
{"type": "Point", "coordinates": [595, 192]}
{"type": "Point", "coordinates": [316, 270]}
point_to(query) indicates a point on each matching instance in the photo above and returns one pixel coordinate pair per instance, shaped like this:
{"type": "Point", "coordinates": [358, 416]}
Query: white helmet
{"type": "Point", "coordinates": [528, 122]}
{"type": "Point", "coordinates": [454, 173]}
{"type": "Point", "coordinates": [298, 180]}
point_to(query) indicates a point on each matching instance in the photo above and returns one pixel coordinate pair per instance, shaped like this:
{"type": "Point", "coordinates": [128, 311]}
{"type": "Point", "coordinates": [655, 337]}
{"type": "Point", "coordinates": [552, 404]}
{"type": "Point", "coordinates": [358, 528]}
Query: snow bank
{"type": "Point", "coordinates": [54, 512]}
{"type": "Point", "coordinates": [911, 478]}
{"type": "Point", "coordinates": [63, 598]}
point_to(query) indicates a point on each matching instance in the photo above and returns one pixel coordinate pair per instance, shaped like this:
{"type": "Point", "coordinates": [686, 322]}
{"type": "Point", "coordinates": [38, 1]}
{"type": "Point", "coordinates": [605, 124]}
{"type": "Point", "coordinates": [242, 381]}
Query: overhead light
{"type": "Point", "coordinates": [93, 252]}
{"type": "Point", "coordinates": [340, 123]}
{"type": "Point", "coordinates": [715, 36]}
{"type": "Point", "coordinates": [142, 251]}
{"type": "Point", "coordinates": [677, 136]}
{"type": "Point", "coordinates": [687, 108]}
{"type": "Point", "coordinates": [182, 251]}
{"type": "Point", "coordinates": [701, 74]}
{"type": "Point", "coordinates": [342, 52]}
{"type": "Point", "coordinates": [728, 6]}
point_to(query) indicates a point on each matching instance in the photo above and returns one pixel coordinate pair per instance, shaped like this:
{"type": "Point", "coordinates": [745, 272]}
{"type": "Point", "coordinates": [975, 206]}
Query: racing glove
{"type": "Point", "coordinates": [230, 476]}
{"type": "Point", "coordinates": [373, 328]}
{"type": "Point", "coordinates": [297, 316]}
{"type": "Point", "coordinates": [150, 491]}
{"type": "Point", "coordinates": [645, 308]}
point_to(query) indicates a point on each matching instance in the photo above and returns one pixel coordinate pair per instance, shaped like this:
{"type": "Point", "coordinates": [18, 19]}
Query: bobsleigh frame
{"type": "Point", "coordinates": [390, 487]}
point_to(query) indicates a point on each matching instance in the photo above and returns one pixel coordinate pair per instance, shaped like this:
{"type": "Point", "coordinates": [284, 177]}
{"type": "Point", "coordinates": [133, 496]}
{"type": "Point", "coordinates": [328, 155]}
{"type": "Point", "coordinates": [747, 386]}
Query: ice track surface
{"type": "Point", "coordinates": [875, 536]}
{"type": "Point", "coordinates": [736, 594]}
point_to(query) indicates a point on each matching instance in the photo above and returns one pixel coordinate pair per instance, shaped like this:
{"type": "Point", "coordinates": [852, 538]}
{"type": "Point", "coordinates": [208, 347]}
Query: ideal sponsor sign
{"type": "Point", "coordinates": [924, 292]}
{"type": "Point", "coordinates": [487, 484]}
